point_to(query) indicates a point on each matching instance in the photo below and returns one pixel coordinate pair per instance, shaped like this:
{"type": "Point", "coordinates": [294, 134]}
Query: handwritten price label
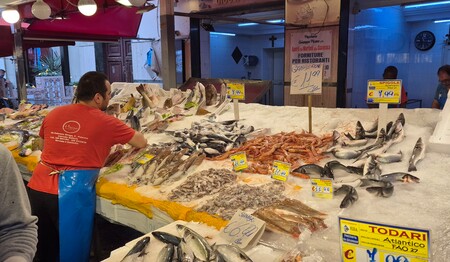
{"type": "Point", "coordinates": [306, 79]}
{"type": "Point", "coordinates": [239, 161]}
{"type": "Point", "coordinates": [322, 188]}
{"type": "Point", "coordinates": [236, 91]}
{"type": "Point", "coordinates": [244, 230]}
{"type": "Point", "coordinates": [280, 170]}
{"type": "Point", "coordinates": [384, 91]}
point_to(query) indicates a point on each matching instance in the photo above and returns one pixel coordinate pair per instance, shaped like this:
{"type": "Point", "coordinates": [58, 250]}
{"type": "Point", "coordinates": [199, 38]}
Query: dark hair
{"type": "Point", "coordinates": [444, 68]}
{"type": "Point", "coordinates": [391, 70]}
{"type": "Point", "coordinates": [90, 84]}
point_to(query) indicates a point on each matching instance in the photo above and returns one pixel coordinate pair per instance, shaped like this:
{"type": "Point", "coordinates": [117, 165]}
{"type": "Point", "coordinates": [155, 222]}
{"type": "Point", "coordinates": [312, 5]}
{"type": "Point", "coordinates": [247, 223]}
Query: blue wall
{"type": "Point", "coordinates": [382, 37]}
{"type": "Point", "coordinates": [222, 63]}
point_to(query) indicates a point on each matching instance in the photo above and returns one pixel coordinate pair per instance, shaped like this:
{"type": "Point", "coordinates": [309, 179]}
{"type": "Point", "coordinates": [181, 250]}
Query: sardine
{"type": "Point", "coordinates": [232, 253]}
{"type": "Point", "coordinates": [166, 238]}
{"type": "Point", "coordinates": [400, 176]}
{"type": "Point", "coordinates": [417, 154]}
{"type": "Point", "coordinates": [138, 250]}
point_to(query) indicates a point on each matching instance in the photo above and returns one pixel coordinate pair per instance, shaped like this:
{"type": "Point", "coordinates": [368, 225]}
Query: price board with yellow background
{"type": "Point", "coordinates": [384, 91]}
{"type": "Point", "coordinates": [236, 91]}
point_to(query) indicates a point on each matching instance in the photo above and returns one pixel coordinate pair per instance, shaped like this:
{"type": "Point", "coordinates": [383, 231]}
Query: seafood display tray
{"type": "Point", "coordinates": [257, 253]}
{"type": "Point", "coordinates": [122, 215]}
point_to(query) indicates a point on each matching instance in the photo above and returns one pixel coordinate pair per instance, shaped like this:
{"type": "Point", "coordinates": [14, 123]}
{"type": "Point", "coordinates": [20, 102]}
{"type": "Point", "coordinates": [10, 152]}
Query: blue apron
{"type": "Point", "coordinates": [76, 202]}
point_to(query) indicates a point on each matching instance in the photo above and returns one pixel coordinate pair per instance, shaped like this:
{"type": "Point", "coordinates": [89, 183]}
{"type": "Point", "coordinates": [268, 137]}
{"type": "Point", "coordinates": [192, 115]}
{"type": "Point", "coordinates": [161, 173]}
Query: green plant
{"type": "Point", "coordinates": [50, 65]}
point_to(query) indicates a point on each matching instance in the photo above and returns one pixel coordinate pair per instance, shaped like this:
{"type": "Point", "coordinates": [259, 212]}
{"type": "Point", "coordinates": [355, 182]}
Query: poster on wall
{"type": "Point", "coordinates": [312, 48]}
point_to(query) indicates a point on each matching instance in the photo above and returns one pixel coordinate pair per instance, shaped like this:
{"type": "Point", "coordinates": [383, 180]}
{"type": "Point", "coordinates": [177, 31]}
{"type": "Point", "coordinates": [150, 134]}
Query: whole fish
{"type": "Point", "coordinates": [400, 176]}
{"type": "Point", "coordinates": [199, 246]}
{"type": "Point", "coordinates": [166, 254]}
{"type": "Point", "coordinates": [417, 154]}
{"type": "Point", "coordinates": [389, 157]}
{"type": "Point", "coordinates": [138, 250]}
{"type": "Point", "coordinates": [354, 143]}
{"type": "Point", "coordinates": [166, 238]}
{"type": "Point", "coordinates": [378, 187]}
{"type": "Point", "coordinates": [351, 196]}
{"type": "Point", "coordinates": [232, 253]}
{"type": "Point", "coordinates": [311, 170]}
{"type": "Point", "coordinates": [346, 154]}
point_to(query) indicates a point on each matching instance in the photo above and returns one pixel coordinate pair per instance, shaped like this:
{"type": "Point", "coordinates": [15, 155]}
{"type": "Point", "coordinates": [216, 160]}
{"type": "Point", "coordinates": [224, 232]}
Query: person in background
{"type": "Point", "coordinates": [391, 72]}
{"type": "Point", "coordinates": [3, 83]}
{"type": "Point", "coordinates": [18, 229]}
{"type": "Point", "coordinates": [77, 140]}
{"type": "Point", "coordinates": [440, 97]}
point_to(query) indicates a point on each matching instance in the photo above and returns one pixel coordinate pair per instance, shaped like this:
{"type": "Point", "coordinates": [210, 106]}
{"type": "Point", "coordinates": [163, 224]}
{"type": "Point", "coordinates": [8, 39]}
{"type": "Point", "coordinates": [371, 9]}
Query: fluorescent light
{"type": "Point", "coordinates": [442, 21]}
{"type": "Point", "coordinates": [124, 2]}
{"type": "Point", "coordinates": [427, 4]}
{"type": "Point", "coordinates": [276, 21]}
{"type": "Point", "coordinates": [247, 24]}
{"type": "Point", "coordinates": [218, 33]}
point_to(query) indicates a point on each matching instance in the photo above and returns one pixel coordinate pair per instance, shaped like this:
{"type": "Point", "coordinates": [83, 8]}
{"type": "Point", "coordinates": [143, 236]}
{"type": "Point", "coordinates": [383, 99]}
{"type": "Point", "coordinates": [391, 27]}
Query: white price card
{"type": "Point", "coordinates": [306, 79]}
{"type": "Point", "coordinates": [243, 230]}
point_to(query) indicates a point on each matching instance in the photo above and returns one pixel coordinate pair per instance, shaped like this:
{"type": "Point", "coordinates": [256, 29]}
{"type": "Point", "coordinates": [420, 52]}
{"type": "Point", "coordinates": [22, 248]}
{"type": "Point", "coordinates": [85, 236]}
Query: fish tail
{"type": "Point", "coordinates": [412, 167]}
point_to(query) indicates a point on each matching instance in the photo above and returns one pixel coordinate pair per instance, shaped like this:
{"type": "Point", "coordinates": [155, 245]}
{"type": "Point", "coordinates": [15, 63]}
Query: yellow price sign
{"type": "Point", "coordinates": [236, 91]}
{"type": "Point", "coordinates": [322, 188]}
{"type": "Point", "coordinates": [239, 161]}
{"type": "Point", "coordinates": [384, 91]}
{"type": "Point", "coordinates": [144, 159]}
{"type": "Point", "coordinates": [280, 170]}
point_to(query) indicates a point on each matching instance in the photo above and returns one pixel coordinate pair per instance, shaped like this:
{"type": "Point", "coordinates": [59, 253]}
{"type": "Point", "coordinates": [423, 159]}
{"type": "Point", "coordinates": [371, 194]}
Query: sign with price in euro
{"type": "Point", "coordinates": [280, 170]}
{"type": "Point", "coordinates": [236, 91]}
{"type": "Point", "coordinates": [322, 188]}
{"type": "Point", "coordinates": [239, 161]}
{"type": "Point", "coordinates": [368, 241]}
{"type": "Point", "coordinates": [243, 230]}
{"type": "Point", "coordinates": [384, 91]}
{"type": "Point", "coordinates": [306, 79]}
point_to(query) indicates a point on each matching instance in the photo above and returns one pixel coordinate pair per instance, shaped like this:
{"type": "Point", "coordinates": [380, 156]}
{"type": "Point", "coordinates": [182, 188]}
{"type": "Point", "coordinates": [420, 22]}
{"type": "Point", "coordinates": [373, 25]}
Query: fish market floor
{"type": "Point", "coordinates": [108, 237]}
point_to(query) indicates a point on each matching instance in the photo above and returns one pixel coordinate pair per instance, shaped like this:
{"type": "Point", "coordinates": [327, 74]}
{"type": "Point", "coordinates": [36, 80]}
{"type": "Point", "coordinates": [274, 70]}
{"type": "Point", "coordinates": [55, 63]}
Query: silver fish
{"type": "Point", "coordinates": [346, 154]}
{"type": "Point", "coordinates": [232, 253]}
{"type": "Point", "coordinates": [166, 238]}
{"type": "Point", "coordinates": [184, 253]}
{"type": "Point", "coordinates": [399, 176]}
{"type": "Point", "coordinates": [199, 246]}
{"type": "Point", "coordinates": [310, 169]}
{"type": "Point", "coordinates": [417, 154]}
{"type": "Point", "coordinates": [389, 157]}
{"type": "Point", "coordinates": [166, 254]}
{"type": "Point", "coordinates": [360, 133]}
{"type": "Point", "coordinates": [351, 196]}
{"type": "Point", "coordinates": [371, 169]}
{"type": "Point", "coordinates": [138, 250]}
{"type": "Point", "coordinates": [354, 143]}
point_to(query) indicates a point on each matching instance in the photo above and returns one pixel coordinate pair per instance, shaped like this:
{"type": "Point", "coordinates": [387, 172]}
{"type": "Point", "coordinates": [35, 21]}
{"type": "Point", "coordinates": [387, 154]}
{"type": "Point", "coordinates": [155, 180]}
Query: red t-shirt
{"type": "Point", "coordinates": [76, 137]}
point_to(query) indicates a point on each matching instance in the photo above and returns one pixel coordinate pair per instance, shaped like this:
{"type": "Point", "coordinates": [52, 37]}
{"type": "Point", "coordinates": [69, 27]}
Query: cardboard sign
{"type": "Point", "coordinates": [280, 170]}
{"type": "Point", "coordinates": [244, 230]}
{"type": "Point", "coordinates": [236, 91]}
{"type": "Point", "coordinates": [384, 91]}
{"type": "Point", "coordinates": [306, 79]}
{"type": "Point", "coordinates": [367, 241]}
{"type": "Point", "coordinates": [322, 188]}
{"type": "Point", "coordinates": [239, 161]}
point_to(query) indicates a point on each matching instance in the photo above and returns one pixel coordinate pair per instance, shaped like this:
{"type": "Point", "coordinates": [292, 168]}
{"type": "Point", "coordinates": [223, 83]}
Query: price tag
{"type": "Point", "coordinates": [239, 161]}
{"type": "Point", "coordinates": [244, 230]}
{"type": "Point", "coordinates": [384, 91]}
{"type": "Point", "coordinates": [280, 170]}
{"type": "Point", "coordinates": [322, 188]}
{"type": "Point", "coordinates": [236, 91]}
{"type": "Point", "coordinates": [306, 79]}
{"type": "Point", "coordinates": [144, 159]}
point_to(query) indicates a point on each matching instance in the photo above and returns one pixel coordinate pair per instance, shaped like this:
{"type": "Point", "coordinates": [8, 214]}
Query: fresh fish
{"type": "Point", "coordinates": [417, 154]}
{"type": "Point", "coordinates": [232, 253]}
{"type": "Point", "coordinates": [378, 187]}
{"type": "Point", "coordinates": [199, 246]}
{"type": "Point", "coordinates": [346, 154]}
{"type": "Point", "coordinates": [166, 254]}
{"type": "Point", "coordinates": [166, 238]}
{"type": "Point", "coordinates": [310, 169]}
{"type": "Point", "coordinates": [371, 169]}
{"type": "Point", "coordinates": [184, 253]}
{"type": "Point", "coordinates": [336, 138]}
{"type": "Point", "coordinates": [138, 250]}
{"type": "Point", "coordinates": [351, 196]}
{"type": "Point", "coordinates": [399, 176]}
{"type": "Point", "coordinates": [147, 102]}
{"type": "Point", "coordinates": [389, 157]}
{"type": "Point", "coordinates": [354, 143]}
{"type": "Point", "coordinates": [360, 133]}
{"type": "Point", "coordinates": [401, 119]}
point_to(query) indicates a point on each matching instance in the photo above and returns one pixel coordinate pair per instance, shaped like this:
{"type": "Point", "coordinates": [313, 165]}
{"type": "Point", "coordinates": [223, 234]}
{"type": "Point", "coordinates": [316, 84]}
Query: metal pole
{"type": "Point", "coordinates": [19, 63]}
{"type": "Point", "coordinates": [167, 19]}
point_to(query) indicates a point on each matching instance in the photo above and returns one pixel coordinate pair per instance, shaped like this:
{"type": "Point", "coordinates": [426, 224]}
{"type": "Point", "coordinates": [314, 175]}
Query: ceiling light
{"type": "Point", "coordinates": [442, 21]}
{"type": "Point", "coordinates": [219, 33]}
{"type": "Point", "coordinates": [87, 7]}
{"type": "Point", "coordinates": [137, 3]}
{"type": "Point", "coordinates": [10, 15]}
{"type": "Point", "coordinates": [41, 10]}
{"type": "Point", "coordinates": [427, 4]}
{"type": "Point", "coordinates": [276, 21]}
{"type": "Point", "coordinates": [247, 24]}
{"type": "Point", "coordinates": [124, 2]}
